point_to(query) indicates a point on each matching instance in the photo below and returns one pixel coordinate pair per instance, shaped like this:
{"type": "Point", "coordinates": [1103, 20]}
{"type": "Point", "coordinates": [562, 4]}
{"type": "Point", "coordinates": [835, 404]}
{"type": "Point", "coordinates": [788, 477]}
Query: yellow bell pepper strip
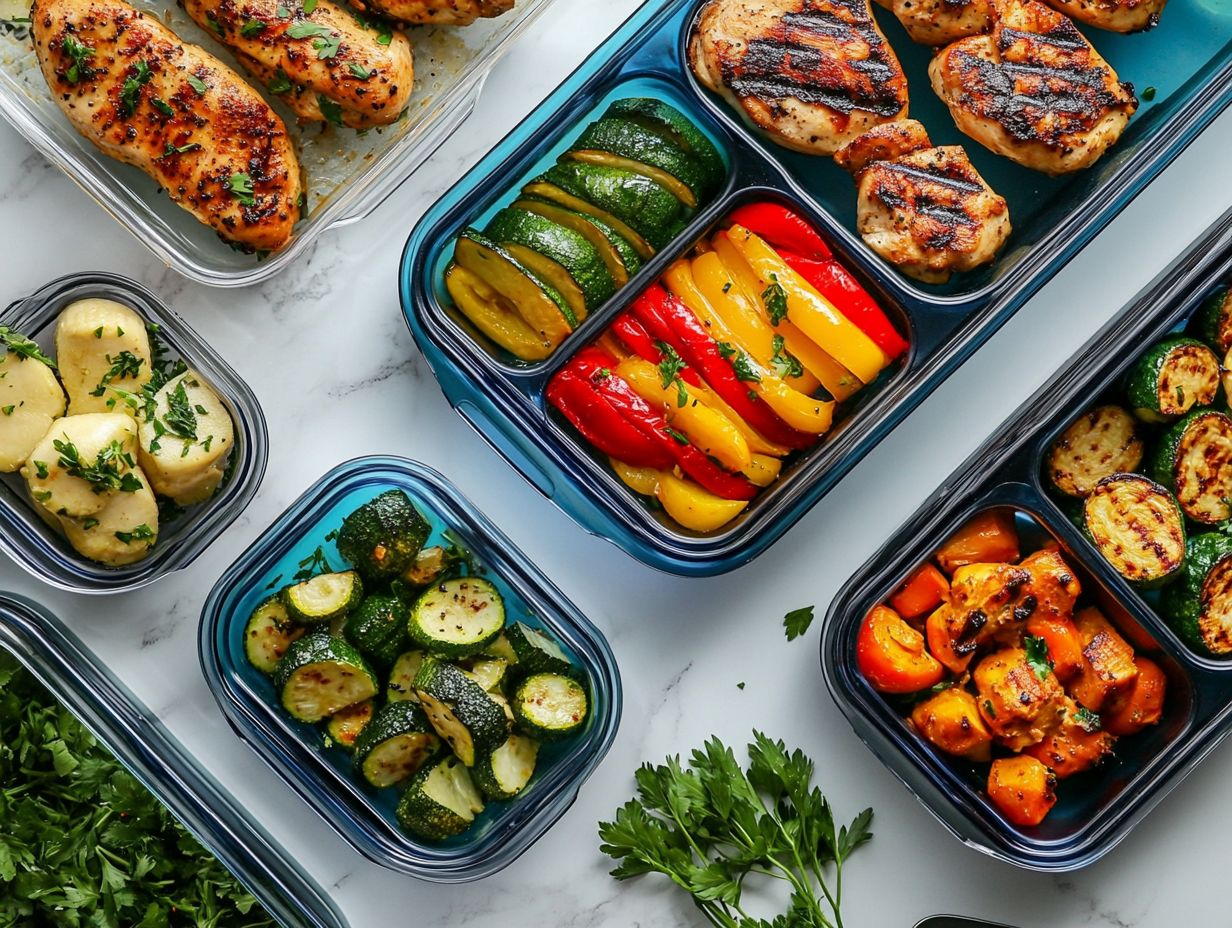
{"type": "Point", "coordinates": [838, 381]}
{"type": "Point", "coordinates": [763, 470]}
{"type": "Point", "coordinates": [810, 311]}
{"type": "Point", "coordinates": [746, 324]}
{"type": "Point", "coordinates": [612, 345]}
{"type": "Point", "coordinates": [757, 442]}
{"type": "Point", "coordinates": [643, 481]}
{"type": "Point", "coordinates": [693, 507]}
{"type": "Point", "coordinates": [491, 314]}
{"type": "Point", "coordinates": [708, 430]}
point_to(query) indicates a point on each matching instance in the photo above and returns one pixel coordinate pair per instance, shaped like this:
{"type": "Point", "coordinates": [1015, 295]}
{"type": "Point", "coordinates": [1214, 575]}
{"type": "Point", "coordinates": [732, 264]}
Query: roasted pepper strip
{"type": "Point", "coordinates": [628, 330]}
{"type": "Point", "coordinates": [600, 423]}
{"type": "Point", "coordinates": [815, 315]}
{"type": "Point", "coordinates": [693, 507]}
{"type": "Point", "coordinates": [782, 228]}
{"type": "Point", "coordinates": [669, 320]}
{"type": "Point", "coordinates": [836, 284]}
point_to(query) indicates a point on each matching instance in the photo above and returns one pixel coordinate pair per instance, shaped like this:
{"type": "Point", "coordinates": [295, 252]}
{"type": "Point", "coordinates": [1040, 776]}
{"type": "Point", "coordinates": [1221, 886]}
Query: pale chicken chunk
{"type": "Point", "coordinates": [1034, 90]}
{"type": "Point", "coordinates": [30, 400]}
{"type": "Point", "coordinates": [81, 462]}
{"type": "Point", "coordinates": [327, 65]}
{"type": "Point", "coordinates": [814, 74]}
{"type": "Point", "coordinates": [1018, 707]}
{"type": "Point", "coordinates": [939, 22]}
{"type": "Point", "coordinates": [924, 209]}
{"type": "Point", "coordinates": [101, 347]}
{"type": "Point", "coordinates": [1113, 15]}
{"type": "Point", "coordinates": [147, 98]}
{"type": "Point", "coordinates": [438, 12]}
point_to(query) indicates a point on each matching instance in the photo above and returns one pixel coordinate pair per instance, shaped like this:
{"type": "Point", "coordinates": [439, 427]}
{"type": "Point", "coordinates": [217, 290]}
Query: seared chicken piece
{"type": "Point", "coordinates": [1114, 15]}
{"type": "Point", "coordinates": [1108, 666]}
{"type": "Point", "coordinates": [1018, 707]}
{"type": "Point", "coordinates": [438, 12]}
{"type": "Point", "coordinates": [939, 22]}
{"type": "Point", "coordinates": [813, 73]}
{"type": "Point", "coordinates": [149, 99]}
{"type": "Point", "coordinates": [925, 209]}
{"type": "Point", "coordinates": [1034, 90]}
{"type": "Point", "coordinates": [326, 64]}
{"type": "Point", "coordinates": [1075, 745]}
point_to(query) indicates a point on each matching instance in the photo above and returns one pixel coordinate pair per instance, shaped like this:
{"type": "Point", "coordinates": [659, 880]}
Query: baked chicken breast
{"type": "Point", "coordinates": [438, 12]}
{"type": "Point", "coordinates": [149, 99]}
{"type": "Point", "coordinates": [939, 22]}
{"type": "Point", "coordinates": [814, 74]}
{"type": "Point", "coordinates": [1114, 15]}
{"type": "Point", "coordinates": [1034, 90]}
{"type": "Point", "coordinates": [923, 208]}
{"type": "Point", "coordinates": [326, 65]}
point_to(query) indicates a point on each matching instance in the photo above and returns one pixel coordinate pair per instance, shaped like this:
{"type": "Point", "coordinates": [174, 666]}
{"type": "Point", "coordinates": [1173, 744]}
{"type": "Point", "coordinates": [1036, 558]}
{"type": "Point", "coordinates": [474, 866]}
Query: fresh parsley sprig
{"type": "Point", "coordinates": [23, 347]}
{"type": "Point", "coordinates": [112, 468]}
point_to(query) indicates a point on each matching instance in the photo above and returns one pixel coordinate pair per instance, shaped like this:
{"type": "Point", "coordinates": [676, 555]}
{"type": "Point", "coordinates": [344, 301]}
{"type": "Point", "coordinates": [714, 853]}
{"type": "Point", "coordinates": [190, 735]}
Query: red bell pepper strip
{"type": "Point", "coordinates": [601, 424]}
{"type": "Point", "coordinates": [635, 337]}
{"type": "Point", "coordinates": [836, 284]}
{"type": "Point", "coordinates": [638, 413]}
{"type": "Point", "coordinates": [782, 228]}
{"type": "Point", "coordinates": [671, 321]}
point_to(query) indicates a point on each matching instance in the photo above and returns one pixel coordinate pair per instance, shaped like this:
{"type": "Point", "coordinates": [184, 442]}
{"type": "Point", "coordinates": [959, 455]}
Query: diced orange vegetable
{"type": "Point", "coordinates": [1140, 706]}
{"type": "Point", "coordinates": [941, 643]}
{"type": "Point", "coordinates": [951, 720]}
{"type": "Point", "coordinates": [1064, 644]}
{"type": "Point", "coordinates": [1108, 667]}
{"type": "Point", "coordinates": [989, 538]}
{"type": "Point", "coordinates": [1023, 789]}
{"type": "Point", "coordinates": [1018, 706]}
{"type": "Point", "coordinates": [922, 592]}
{"type": "Point", "coordinates": [1072, 746]}
{"type": "Point", "coordinates": [891, 655]}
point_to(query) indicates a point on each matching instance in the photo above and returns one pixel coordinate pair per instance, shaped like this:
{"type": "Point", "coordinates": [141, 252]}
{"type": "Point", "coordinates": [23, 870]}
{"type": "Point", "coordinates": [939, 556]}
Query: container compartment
{"type": "Point", "coordinates": [141, 744]}
{"type": "Point", "coordinates": [324, 776]}
{"type": "Point", "coordinates": [44, 552]}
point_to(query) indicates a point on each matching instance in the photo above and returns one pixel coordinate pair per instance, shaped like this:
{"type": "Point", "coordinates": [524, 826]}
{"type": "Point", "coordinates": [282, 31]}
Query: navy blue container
{"type": "Point", "coordinates": [1096, 809]}
{"type": "Point", "coordinates": [1188, 60]}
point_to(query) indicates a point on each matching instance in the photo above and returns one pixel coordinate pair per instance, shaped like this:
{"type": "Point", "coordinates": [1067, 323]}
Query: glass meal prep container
{"type": "Point", "coordinates": [1098, 808]}
{"type": "Point", "coordinates": [347, 175]}
{"type": "Point", "coordinates": [1187, 59]}
{"type": "Point", "coordinates": [322, 776]}
{"type": "Point", "coordinates": [74, 676]}
{"type": "Point", "coordinates": [44, 552]}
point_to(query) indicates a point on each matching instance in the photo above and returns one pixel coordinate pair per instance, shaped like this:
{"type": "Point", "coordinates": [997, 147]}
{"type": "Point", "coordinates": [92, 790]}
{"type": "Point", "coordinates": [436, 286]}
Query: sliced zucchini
{"type": "Point", "coordinates": [345, 725]}
{"type": "Point", "coordinates": [647, 206]}
{"type": "Point", "coordinates": [620, 257]}
{"type": "Point", "coordinates": [320, 675]}
{"type": "Point", "coordinates": [1194, 461]}
{"type": "Point", "coordinates": [542, 189]}
{"type": "Point", "coordinates": [457, 617]}
{"type": "Point", "coordinates": [1101, 442]}
{"type": "Point", "coordinates": [537, 653]}
{"type": "Point", "coordinates": [1212, 323]}
{"type": "Point", "coordinates": [680, 190]}
{"type": "Point", "coordinates": [488, 672]}
{"type": "Point", "coordinates": [1199, 606]}
{"type": "Point", "coordinates": [395, 745]}
{"type": "Point", "coordinates": [401, 685]}
{"type": "Point", "coordinates": [505, 772]}
{"type": "Point", "coordinates": [501, 648]}
{"type": "Point", "coordinates": [536, 301]}
{"type": "Point", "coordinates": [440, 802]}
{"type": "Point", "coordinates": [268, 634]}
{"type": "Point", "coordinates": [660, 158]}
{"type": "Point", "coordinates": [568, 250]}
{"type": "Point", "coordinates": [661, 117]}
{"type": "Point", "coordinates": [1171, 378]}
{"type": "Point", "coordinates": [550, 706]}
{"type": "Point", "coordinates": [431, 564]}
{"type": "Point", "coordinates": [554, 275]}
{"type": "Point", "coordinates": [378, 629]}
{"type": "Point", "coordinates": [1138, 528]}
{"type": "Point", "coordinates": [383, 536]}
{"type": "Point", "coordinates": [494, 316]}
{"type": "Point", "coordinates": [324, 597]}
{"type": "Point", "coordinates": [469, 720]}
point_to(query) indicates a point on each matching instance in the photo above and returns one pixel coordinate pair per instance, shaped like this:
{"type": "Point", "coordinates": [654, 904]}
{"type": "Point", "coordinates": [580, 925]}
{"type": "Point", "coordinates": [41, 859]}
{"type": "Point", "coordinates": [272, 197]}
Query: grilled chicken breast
{"type": "Point", "coordinates": [939, 22]}
{"type": "Point", "coordinates": [1114, 15]}
{"type": "Point", "coordinates": [925, 209]}
{"type": "Point", "coordinates": [814, 74]}
{"type": "Point", "coordinates": [438, 12]}
{"type": "Point", "coordinates": [143, 96]}
{"type": "Point", "coordinates": [326, 64]}
{"type": "Point", "coordinates": [1034, 90]}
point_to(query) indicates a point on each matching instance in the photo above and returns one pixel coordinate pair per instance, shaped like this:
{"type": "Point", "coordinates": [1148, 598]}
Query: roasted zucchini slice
{"type": "Point", "coordinates": [323, 598]}
{"type": "Point", "coordinates": [320, 675]}
{"type": "Point", "coordinates": [383, 536]}
{"type": "Point", "coordinates": [268, 634]}
{"type": "Point", "coordinates": [1212, 323]}
{"type": "Point", "coordinates": [378, 628]}
{"type": "Point", "coordinates": [677, 128]}
{"type": "Point", "coordinates": [495, 316]}
{"type": "Point", "coordinates": [536, 301]}
{"type": "Point", "coordinates": [1138, 528]}
{"type": "Point", "coordinates": [395, 744]}
{"type": "Point", "coordinates": [1172, 378]}
{"type": "Point", "coordinates": [466, 716]}
{"type": "Point", "coordinates": [568, 251]}
{"type": "Point", "coordinates": [500, 648]}
{"type": "Point", "coordinates": [440, 802]}
{"type": "Point", "coordinates": [550, 706]}
{"type": "Point", "coordinates": [643, 204]}
{"type": "Point", "coordinates": [505, 772]}
{"type": "Point", "coordinates": [1199, 606]}
{"type": "Point", "coordinates": [401, 685]}
{"type": "Point", "coordinates": [538, 653]}
{"type": "Point", "coordinates": [1194, 461]}
{"type": "Point", "coordinates": [488, 672]}
{"type": "Point", "coordinates": [620, 257]}
{"type": "Point", "coordinates": [457, 617]}
{"type": "Point", "coordinates": [1103, 441]}
{"type": "Point", "coordinates": [431, 564]}
{"type": "Point", "coordinates": [542, 189]}
{"type": "Point", "coordinates": [345, 725]}
{"type": "Point", "coordinates": [647, 150]}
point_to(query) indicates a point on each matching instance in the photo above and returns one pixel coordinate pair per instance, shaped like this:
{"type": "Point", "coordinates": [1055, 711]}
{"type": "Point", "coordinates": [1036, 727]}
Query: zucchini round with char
{"type": "Point", "coordinates": [569, 253]}
{"type": "Point", "coordinates": [1199, 607]}
{"type": "Point", "coordinates": [378, 628]}
{"type": "Point", "coordinates": [320, 675]}
{"type": "Point", "coordinates": [488, 672]}
{"type": "Point", "coordinates": [463, 713]}
{"type": "Point", "coordinates": [542, 189]}
{"type": "Point", "coordinates": [1212, 323]}
{"type": "Point", "coordinates": [538, 653]}
{"type": "Point", "coordinates": [395, 744]}
{"type": "Point", "coordinates": [440, 802]}
{"type": "Point", "coordinates": [1103, 441]}
{"type": "Point", "coordinates": [1194, 461]}
{"type": "Point", "coordinates": [345, 725]}
{"type": "Point", "coordinates": [550, 706]}
{"type": "Point", "coordinates": [457, 617]}
{"type": "Point", "coordinates": [663, 118]}
{"type": "Point", "coordinates": [647, 206]}
{"type": "Point", "coordinates": [495, 316]}
{"type": "Point", "coordinates": [382, 537]}
{"type": "Point", "coordinates": [621, 142]}
{"type": "Point", "coordinates": [1172, 378]}
{"type": "Point", "coordinates": [323, 598]}
{"type": "Point", "coordinates": [1138, 528]}
{"type": "Point", "coordinates": [620, 257]}
{"type": "Point", "coordinates": [505, 772]}
{"type": "Point", "coordinates": [500, 648]}
{"type": "Point", "coordinates": [401, 684]}
{"type": "Point", "coordinates": [431, 564]}
{"type": "Point", "coordinates": [268, 634]}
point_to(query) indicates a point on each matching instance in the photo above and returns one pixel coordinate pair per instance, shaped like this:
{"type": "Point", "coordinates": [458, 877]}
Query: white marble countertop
{"type": "Point", "coordinates": [348, 381]}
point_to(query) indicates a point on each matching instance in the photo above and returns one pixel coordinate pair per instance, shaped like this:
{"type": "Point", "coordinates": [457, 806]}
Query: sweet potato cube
{"type": "Point", "coordinates": [1108, 668]}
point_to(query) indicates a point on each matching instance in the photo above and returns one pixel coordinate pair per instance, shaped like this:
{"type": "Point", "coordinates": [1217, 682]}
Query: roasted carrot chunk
{"type": "Point", "coordinates": [951, 720]}
{"type": "Point", "coordinates": [1077, 743]}
{"type": "Point", "coordinates": [938, 630]}
{"type": "Point", "coordinates": [1108, 667]}
{"type": "Point", "coordinates": [988, 538]}
{"type": "Point", "coordinates": [922, 592]}
{"type": "Point", "coordinates": [1064, 645]}
{"type": "Point", "coordinates": [1022, 788]}
{"type": "Point", "coordinates": [1142, 704]}
{"type": "Point", "coordinates": [891, 655]}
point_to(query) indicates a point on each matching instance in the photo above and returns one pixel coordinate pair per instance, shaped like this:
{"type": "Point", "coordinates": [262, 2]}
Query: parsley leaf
{"type": "Point", "coordinates": [330, 110]}
{"type": "Point", "coordinates": [141, 533]}
{"type": "Point", "coordinates": [79, 70]}
{"type": "Point", "coordinates": [180, 419]}
{"type": "Point", "coordinates": [132, 87]}
{"type": "Point", "coordinates": [784, 364]}
{"type": "Point", "coordinates": [1087, 720]}
{"type": "Point", "coordinates": [797, 622]}
{"type": "Point", "coordinates": [327, 48]}
{"type": "Point", "coordinates": [669, 372]}
{"type": "Point", "coordinates": [315, 563]}
{"type": "Point", "coordinates": [745, 369]}
{"type": "Point", "coordinates": [775, 299]}
{"type": "Point", "coordinates": [358, 71]}
{"type": "Point", "coordinates": [124, 365]}
{"type": "Point", "coordinates": [280, 83]}
{"type": "Point", "coordinates": [309, 6]}
{"type": "Point", "coordinates": [179, 149]}
{"type": "Point", "coordinates": [251, 28]}
{"type": "Point", "coordinates": [679, 437]}
{"type": "Point", "coordinates": [240, 187]}
{"type": "Point", "coordinates": [111, 470]}
{"type": "Point", "coordinates": [23, 347]}
{"type": "Point", "coordinates": [1037, 655]}
{"type": "Point", "coordinates": [197, 84]}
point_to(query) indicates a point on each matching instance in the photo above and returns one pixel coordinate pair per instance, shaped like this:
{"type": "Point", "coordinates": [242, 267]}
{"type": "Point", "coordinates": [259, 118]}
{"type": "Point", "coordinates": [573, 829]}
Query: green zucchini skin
{"type": "Point", "coordinates": [649, 208]}
{"type": "Point", "coordinates": [378, 629]}
{"type": "Point", "coordinates": [400, 729]}
{"type": "Point", "coordinates": [550, 706]}
{"type": "Point", "coordinates": [268, 634]}
{"type": "Point", "coordinates": [463, 713]}
{"type": "Point", "coordinates": [382, 537]}
{"type": "Point", "coordinates": [629, 259]}
{"type": "Point", "coordinates": [1202, 617]}
{"type": "Point", "coordinates": [295, 597]}
{"type": "Point", "coordinates": [346, 725]}
{"type": "Point", "coordinates": [485, 244]}
{"type": "Point", "coordinates": [422, 815]}
{"type": "Point", "coordinates": [537, 652]}
{"type": "Point", "coordinates": [1175, 460]}
{"type": "Point", "coordinates": [676, 127]}
{"type": "Point", "coordinates": [1164, 517]}
{"type": "Point", "coordinates": [1212, 323]}
{"type": "Point", "coordinates": [1152, 387]}
{"type": "Point", "coordinates": [564, 246]}
{"type": "Point", "coordinates": [505, 772]}
{"type": "Point", "coordinates": [638, 142]}
{"type": "Point", "coordinates": [321, 674]}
